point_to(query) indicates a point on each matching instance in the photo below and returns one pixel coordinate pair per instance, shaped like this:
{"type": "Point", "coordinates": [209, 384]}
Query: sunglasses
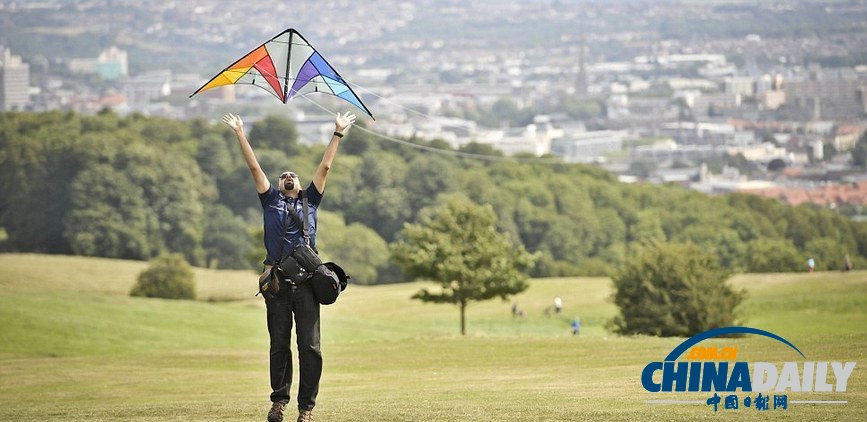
{"type": "Point", "coordinates": [285, 175]}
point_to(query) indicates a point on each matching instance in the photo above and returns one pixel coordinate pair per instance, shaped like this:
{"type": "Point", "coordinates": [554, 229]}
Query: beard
{"type": "Point", "coordinates": [288, 185]}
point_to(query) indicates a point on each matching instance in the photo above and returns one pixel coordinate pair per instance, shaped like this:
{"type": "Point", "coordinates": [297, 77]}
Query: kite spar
{"type": "Point", "coordinates": [285, 66]}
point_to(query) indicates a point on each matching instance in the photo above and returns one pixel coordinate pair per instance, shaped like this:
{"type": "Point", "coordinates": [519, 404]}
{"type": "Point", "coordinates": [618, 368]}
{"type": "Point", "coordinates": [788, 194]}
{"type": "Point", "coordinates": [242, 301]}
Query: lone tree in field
{"type": "Point", "coordinates": [167, 276]}
{"type": "Point", "coordinates": [673, 290]}
{"type": "Point", "coordinates": [458, 246]}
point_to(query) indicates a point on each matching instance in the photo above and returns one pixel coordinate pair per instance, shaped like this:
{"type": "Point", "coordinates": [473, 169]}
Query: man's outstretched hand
{"type": "Point", "coordinates": [341, 123]}
{"type": "Point", "coordinates": [235, 122]}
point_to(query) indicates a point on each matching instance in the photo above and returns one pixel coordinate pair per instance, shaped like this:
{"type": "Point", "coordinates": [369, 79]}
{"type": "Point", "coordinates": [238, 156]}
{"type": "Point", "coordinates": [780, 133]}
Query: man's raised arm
{"type": "Point", "coordinates": [341, 124]}
{"type": "Point", "coordinates": [259, 177]}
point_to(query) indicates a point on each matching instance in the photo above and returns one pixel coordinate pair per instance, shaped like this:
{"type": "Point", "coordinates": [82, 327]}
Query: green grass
{"type": "Point", "coordinates": [74, 346]}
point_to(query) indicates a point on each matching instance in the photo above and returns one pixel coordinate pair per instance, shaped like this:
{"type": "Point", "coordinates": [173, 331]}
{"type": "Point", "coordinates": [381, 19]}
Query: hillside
{"type": "Point", "coordinates": [72, 338]}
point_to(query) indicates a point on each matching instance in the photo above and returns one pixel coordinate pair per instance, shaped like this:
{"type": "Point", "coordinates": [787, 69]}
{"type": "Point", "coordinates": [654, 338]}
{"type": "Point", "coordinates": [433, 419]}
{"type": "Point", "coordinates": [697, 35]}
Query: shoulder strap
{"type": "Point", "coordinates": [303, 223]}
{"type": "Point", "coordinates": [282, 236]}
{"type": "Point", "coordinates": [305, 226]}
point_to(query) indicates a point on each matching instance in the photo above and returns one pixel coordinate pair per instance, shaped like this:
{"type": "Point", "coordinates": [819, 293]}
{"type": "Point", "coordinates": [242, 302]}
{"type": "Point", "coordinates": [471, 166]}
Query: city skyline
{"type": "Point", "coordinates": [616, 84]}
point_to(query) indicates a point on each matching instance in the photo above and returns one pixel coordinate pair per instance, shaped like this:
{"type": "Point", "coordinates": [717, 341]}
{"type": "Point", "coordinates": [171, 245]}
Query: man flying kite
{"type": "Point", "coordinates": [285, 66]}
{"type": "Point", "coordinates": [282, 233]}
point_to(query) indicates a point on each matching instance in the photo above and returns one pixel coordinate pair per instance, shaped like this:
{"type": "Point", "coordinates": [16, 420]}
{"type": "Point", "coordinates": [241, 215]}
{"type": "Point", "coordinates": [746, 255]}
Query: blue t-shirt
{"type": "Point", "coordinates": [275, 213]}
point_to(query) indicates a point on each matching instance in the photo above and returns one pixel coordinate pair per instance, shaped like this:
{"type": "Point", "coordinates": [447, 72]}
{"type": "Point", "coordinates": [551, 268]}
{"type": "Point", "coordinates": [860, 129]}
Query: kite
{"type": "Point", "coordinates": [285, 66]}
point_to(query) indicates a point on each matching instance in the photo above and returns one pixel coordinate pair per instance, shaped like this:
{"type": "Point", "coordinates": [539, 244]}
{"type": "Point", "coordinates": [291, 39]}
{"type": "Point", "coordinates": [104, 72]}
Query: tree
{"type": "Point", "coordinates": [214, 156]}
{"type": "Point", "coordinates": [458, 246]}
{"type": "Point", "coordinates": [357, 141]}
{"type": "Point", "coordinates": [828, 151]}
{"type": "Point", "coordinates": [776, 164]}
{"type": "Point", "coordinates": [827, 252]}
{"type": "Point", "coordinates": [167, 276]}
{"type": "Point", "coordinates": [673, 289]}
{"type": "Point", "coordinates": [647, 226]}
{"type": "Point", "coordinates": [378, 181]}
{"type": "Point", "coordinates": [134, 186]}
{"type": "Point", "coordinates": [275, 133]}
{"type": "Point", "coordinates": [225, 239]}
{"type": "Point", "coordinates": [724, 242]}
{"type": "Point", "coordinates": [175, 190]}
{"type": "Point", "coordinates": [480, 149]}
{"type": "Point", "coordinates": [507, 110]}
{"type": "Point", "coordinates": [579, 107]}
{"type": "Point", "coordinates": [800, 228]}
{"type": "Point", "coordinates": [773, 255]}
{"type": "Point", "coordinates": [642, 169]}
{"type": "Point", "coordinates": [427, 181]}
{"type": "Point", "coordinates": [353, 246]}
{"type": "Point", "coordinates": [109, 215]}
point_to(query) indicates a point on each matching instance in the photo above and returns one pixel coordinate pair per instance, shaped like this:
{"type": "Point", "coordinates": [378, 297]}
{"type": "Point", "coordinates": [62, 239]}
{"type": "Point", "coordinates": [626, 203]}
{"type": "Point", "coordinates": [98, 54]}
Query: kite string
{"type": "Point", "coordinates": [428, 148]}
{"type": "Point", "coordinates": [436, 120]}
{"type": "Point", "coordinates": [427, 116]}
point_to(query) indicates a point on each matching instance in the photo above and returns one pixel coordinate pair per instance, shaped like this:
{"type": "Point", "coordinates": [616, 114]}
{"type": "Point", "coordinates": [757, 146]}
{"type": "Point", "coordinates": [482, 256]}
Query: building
{"type": "Point", "coordinates": [707, 133]}
{"type": "Point", "coordinates": [729, 181]}
{"type": "Point", "coordinates": [148, 86]}
{"type": "Point", "coordinates": [766, 152]}
{"type": "Point", "coordinates": [830, 99]}
{"type": "Point", "coordinates": [847, 136]}
{"type": "Point", "coordinates": [669, 151]}
{"type": "Point", "coordinates": [743, 86]}
{"type": "Point", "coordinates": [14, 81]}
{"type": "Point", "coordinates": [535, 139]}
{"type": "Point", "coordinates": [829, 195]}
{"type": "Point", "coordinates": [773, 99]}
{"type": "Point", "coordinates": [586, 147]}
{"type": "Point", "coordinates": [111, 64]}
{"type": "Point", "coordinates": [715, 104]}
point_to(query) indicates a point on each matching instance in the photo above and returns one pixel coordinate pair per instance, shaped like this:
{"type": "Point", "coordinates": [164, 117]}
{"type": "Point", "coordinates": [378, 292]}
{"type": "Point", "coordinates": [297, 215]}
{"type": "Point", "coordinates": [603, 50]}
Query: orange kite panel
{"type": "Point", "coordinates": [251, 59]}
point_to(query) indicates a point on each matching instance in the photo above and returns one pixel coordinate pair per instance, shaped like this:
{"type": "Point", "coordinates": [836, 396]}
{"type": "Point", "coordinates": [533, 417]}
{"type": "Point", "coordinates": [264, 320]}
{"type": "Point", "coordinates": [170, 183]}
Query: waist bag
{"type": "Point", "coordinates": [291, 271]}
{"type": "Point", "coordinates": [306, 257]}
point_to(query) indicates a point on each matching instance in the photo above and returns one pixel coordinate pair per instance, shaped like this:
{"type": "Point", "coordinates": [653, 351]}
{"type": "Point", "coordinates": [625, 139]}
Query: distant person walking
{"type": "Point", "coordinates": [558, 305]}
{"type": "Point", "coordinates": [576, 326]}
{"type": "Point", "coordinates": [847, 263]}
{"type": "Point", "coordinates": [282, 234]}
{"type": "Point", "coordinates": [811, 264]}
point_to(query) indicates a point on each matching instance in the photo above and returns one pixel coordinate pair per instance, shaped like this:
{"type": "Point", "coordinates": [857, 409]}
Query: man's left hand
{"type": "Point", "coordinates": [341, 123]}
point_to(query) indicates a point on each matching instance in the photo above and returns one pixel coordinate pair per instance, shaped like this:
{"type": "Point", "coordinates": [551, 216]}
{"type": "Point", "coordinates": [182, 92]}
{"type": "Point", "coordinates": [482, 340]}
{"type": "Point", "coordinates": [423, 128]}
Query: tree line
{"type": "Point", "coordinates": [134, 187]}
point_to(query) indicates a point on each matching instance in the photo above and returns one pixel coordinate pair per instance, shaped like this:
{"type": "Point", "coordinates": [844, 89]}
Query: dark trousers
{"type": "Point", "coordinates": [300, 302]}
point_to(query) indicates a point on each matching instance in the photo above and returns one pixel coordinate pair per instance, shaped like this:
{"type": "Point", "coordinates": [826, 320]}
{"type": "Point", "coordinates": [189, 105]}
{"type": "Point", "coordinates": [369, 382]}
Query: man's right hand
{"type": "Point", "coordinates": [233, 121]}
{"type": "Point", "coordinates": [259, 178]}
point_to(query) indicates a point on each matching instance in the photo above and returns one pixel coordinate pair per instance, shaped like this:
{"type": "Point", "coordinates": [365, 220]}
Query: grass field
{"type": "Point", "coordinates": [74, 346]}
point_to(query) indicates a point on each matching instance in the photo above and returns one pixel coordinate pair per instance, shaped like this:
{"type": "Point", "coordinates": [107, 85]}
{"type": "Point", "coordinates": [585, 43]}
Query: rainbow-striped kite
{"type": "Point", "coordinates": [285, 66]}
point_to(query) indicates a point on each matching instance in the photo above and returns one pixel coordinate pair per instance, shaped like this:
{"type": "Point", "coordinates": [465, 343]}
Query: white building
{"type": "Point", "coordinates": [586, 147]}
{"type": "Point", "coordinates": [743, 86]}
{"type": "Point", "coordinates": [148, 86]}
{"type": "Point", "coordinates": [729, 181]}
{"type": "Point", "coordinates": [707, 133]}
{"type": "Point", "coordinates": [110, 64]}
{"type": "Point", "coordinates": [535, 138]}
{"type": "Point", "coordinates": [669, 150]}
{"type": "Point", "coordinates": [766, 152]}
{"type": "Point", "coordinates": [14, 81]}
